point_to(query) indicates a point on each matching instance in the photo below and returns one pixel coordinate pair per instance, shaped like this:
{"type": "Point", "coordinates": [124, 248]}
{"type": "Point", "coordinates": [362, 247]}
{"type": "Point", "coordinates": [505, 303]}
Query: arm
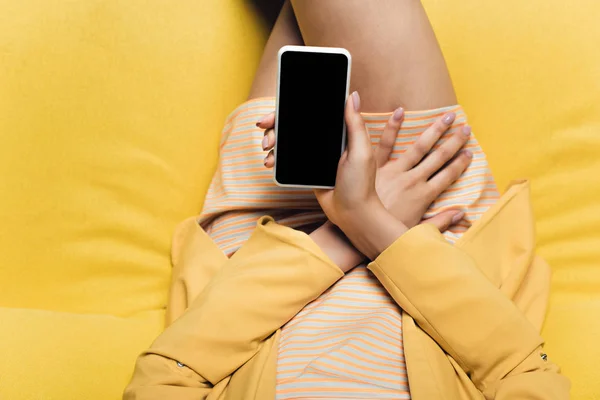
{"type": "Point", "coordinates": [452, 301]}
{"type": "Point", "coordinates": [268, 281]}
{"type": "Point", "coordinates": [193, 269]}
{"type": "Point", "coordinates": [438, 284]}
{"type": "Point", "coordinates": [404, 184]}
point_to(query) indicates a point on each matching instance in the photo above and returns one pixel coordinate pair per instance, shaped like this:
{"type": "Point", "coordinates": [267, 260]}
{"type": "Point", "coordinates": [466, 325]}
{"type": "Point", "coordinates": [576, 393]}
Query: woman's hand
{"type": "Point", "coordinates": [355, 181]}
{"type": "Point", "coordinates": [409, 184]}
{"type": "Point", "coordinates": [353, 205]}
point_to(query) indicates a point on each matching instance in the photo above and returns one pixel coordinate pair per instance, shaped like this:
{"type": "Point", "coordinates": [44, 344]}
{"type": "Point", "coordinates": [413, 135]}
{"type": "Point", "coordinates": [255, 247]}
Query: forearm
{"type": "Point", "coordinates": [268, 281]}
{"type": "Point", "coordinates": [337, 247]}
{"type": "Point", "coordinates": [445, 292]}
{"type": "Point", "coordinates": [372, 231]}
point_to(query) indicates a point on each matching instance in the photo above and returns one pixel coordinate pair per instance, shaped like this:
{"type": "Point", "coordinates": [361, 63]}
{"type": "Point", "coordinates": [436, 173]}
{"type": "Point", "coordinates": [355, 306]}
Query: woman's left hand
{"type": "Point", "coordinates": [355, 194]}
{"type": "Point", "coordinates": [353, 205]}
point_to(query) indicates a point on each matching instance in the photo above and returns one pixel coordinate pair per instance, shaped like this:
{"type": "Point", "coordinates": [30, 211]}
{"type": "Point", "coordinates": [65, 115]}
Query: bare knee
{"type": "Point", "coordinates": [396, 57]}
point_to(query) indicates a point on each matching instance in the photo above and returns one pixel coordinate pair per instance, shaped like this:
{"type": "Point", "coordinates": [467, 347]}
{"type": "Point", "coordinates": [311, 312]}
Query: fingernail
{"type": "Point", "coordinates": [449, 118]}
{"type": "Point", "coordinates": [466, 130]}
{"type": "Point", "coordinates": [468, 153]}
{"type": "Point", "coordinates": [398, 114]}
{"type": "Point", "coordinates": [356, 101]}
{"type": "Point", "coordinates": [265, 142]}
{"type": "Point", "coordinates": [260, 121]}
{"type": "Point", "coordinates": [458, 217]}
{"type": "Point", "coordinates": [265, 160]}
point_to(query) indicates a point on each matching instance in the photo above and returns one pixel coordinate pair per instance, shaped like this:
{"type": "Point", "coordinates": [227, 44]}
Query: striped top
{"type": "Point", "coordinates": [348, 343]}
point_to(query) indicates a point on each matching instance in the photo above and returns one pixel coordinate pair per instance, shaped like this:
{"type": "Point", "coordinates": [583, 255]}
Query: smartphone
{"type": "Point", "coordinates": [312, 88]}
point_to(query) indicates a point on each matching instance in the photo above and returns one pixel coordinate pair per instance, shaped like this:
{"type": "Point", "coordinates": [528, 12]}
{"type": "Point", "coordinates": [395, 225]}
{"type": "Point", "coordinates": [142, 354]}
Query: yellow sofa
{"type": "Point", "coordinates": [110, 112]}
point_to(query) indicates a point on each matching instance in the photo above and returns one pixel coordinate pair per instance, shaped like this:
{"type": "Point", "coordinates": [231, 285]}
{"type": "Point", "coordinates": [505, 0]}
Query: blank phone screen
{"type": "Point", "coordinates": [310, 117]}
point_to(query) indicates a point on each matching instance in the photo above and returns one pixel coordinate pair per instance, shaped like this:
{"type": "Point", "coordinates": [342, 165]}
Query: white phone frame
{"type": "Point", "coordinates": [308, 49]}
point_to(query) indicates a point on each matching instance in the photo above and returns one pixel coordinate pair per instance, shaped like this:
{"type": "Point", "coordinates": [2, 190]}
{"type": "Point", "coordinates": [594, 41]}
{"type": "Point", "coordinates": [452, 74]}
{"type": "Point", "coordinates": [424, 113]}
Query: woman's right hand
{"type": "Point", "coordinates": [353, 204]}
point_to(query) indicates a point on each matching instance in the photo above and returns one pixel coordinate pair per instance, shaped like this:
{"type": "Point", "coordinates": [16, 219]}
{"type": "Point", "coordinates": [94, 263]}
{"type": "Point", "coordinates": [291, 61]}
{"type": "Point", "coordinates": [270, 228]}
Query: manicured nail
{"type": "Point", "coordinates": [466, 130]}
{"type": "Point", "coordinates": [398, 114]}
{"type": "Point", "coordinates": [468, 153]}
{"type": "Point", "coordinates": [458, 217]}
{"type": "Point", "coordinates": [265, 142]}
{"type": "Point", "coordinates": [356, 101]}
{"type": "Point", "coordinates": [449, 118]}
{"type": "Point", "coordinates": [260, 121]}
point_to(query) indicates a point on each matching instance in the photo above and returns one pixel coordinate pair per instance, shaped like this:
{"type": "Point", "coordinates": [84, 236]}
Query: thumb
{"type": "Point", "coordinates": [445, 220]}
{"type": "Point", "coordinates": [358, 139]}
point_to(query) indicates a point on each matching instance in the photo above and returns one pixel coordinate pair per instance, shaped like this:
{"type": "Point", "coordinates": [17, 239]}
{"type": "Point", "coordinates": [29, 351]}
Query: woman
{"type": "Point", "coordinates": [288, 309]}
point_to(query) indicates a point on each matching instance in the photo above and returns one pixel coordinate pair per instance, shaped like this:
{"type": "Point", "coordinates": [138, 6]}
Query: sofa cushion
{"type": "Point", "coordinates": [110, 113]}
{"type": "Point", "coordinates": [528, 75]}
{"type": "Point", "coordinates": [57, 355]}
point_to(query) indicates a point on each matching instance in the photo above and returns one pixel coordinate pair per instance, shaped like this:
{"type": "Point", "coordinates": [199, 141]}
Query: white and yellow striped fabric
{"type": "Point", "coordinates": [348, 343]}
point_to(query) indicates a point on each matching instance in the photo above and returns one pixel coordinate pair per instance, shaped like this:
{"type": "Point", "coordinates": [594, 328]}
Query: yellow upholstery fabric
{"type": "Point", "coordinates": [109, 119]}
{"type": "Point", "coordinates": [64, 356]}
{"type": "Point", "coordinates": [528, 75]}
{"type": "Point", "coordinates": [110, 113]}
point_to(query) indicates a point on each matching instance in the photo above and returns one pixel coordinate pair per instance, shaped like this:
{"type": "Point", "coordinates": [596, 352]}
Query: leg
{"type": "Point", "coordinates": [285, 32]}
{"type": "Point", "coordinates": [396, 57]}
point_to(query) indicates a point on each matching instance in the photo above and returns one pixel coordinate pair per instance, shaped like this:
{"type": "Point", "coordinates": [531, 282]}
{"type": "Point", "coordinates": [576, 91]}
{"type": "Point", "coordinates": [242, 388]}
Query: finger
{"type": "Point", "coordinates": [270, 160]}
{"type": "Point", "coordinates": [426, 141]}
{"type": "Point", "coordinates": [269, 140]}
{"type": "Point", "coordinates": [447, 150]}
{"type": "Point", "coordinates": [359, 144]}
{"type": "Point", "coordinates": [450, 173]}
{"type": "Point", "coordinates": [388, 138]}
{"type": "Point", "coordinates": [445, 220]}
{"type": "Point", "coordinates": [267, 121]}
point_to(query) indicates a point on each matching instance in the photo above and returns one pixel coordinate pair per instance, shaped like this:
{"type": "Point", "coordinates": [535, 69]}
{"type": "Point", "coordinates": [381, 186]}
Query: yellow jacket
{"type": "Point", "coordinates": [471, 312]}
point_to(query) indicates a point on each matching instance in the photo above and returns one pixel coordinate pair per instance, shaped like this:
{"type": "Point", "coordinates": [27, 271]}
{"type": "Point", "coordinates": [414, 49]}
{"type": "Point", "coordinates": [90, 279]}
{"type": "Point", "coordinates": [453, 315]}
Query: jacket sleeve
{"type": "Point", "coordinates": [268, 281]}
{"type": "Point", "coordinates": [448, 296]}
